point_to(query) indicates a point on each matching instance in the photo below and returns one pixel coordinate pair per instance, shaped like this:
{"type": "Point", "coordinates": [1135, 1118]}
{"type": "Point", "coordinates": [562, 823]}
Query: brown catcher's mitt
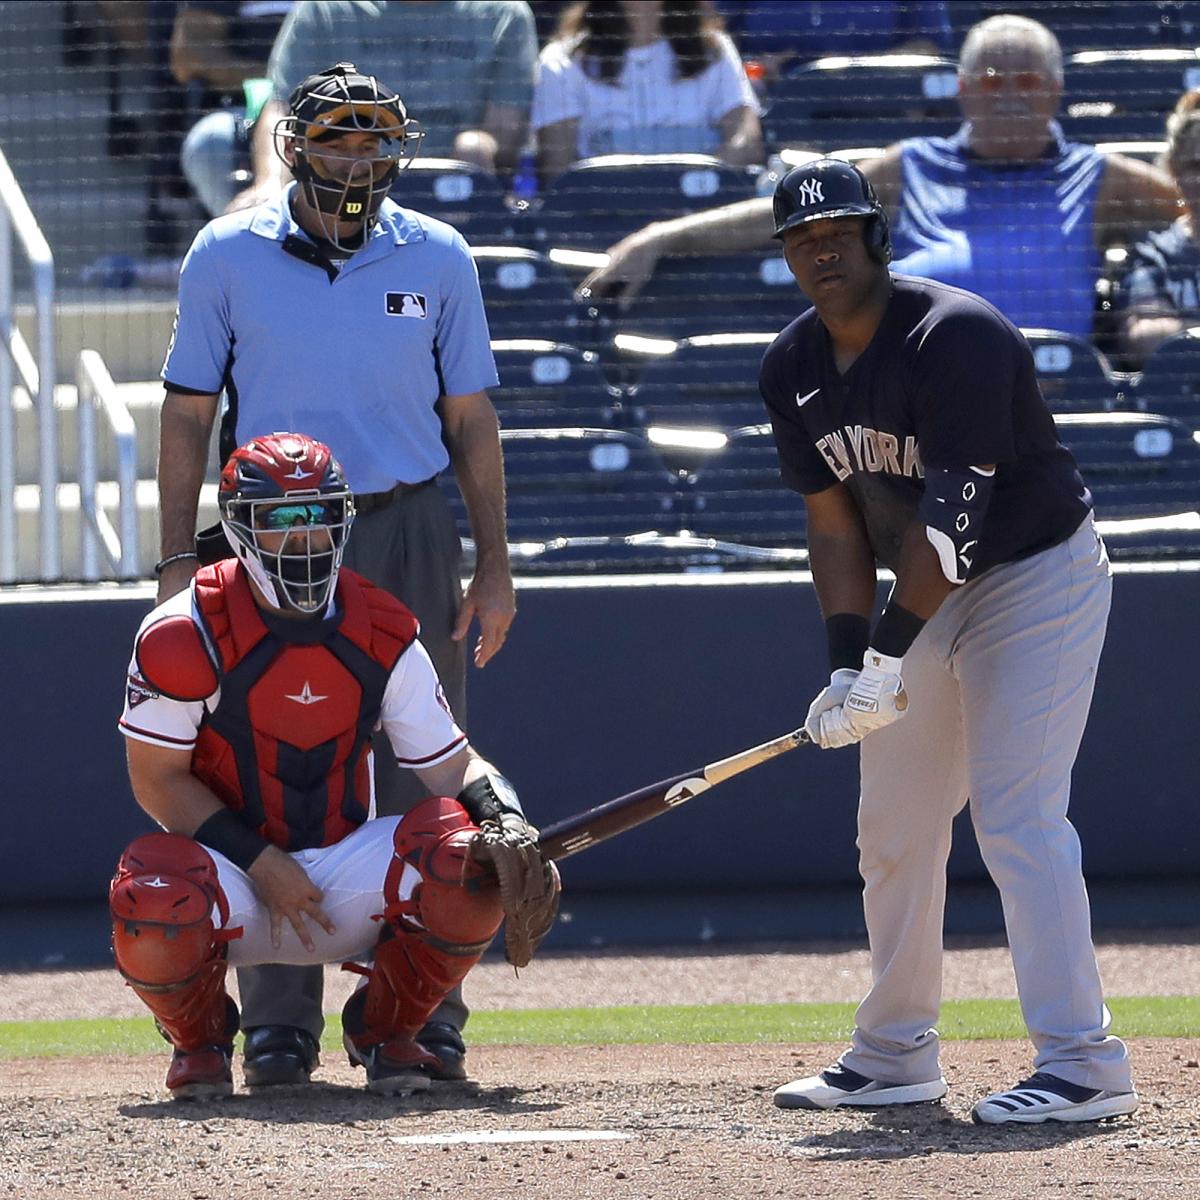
{"type": "Point", "coordinates": [529, 884]}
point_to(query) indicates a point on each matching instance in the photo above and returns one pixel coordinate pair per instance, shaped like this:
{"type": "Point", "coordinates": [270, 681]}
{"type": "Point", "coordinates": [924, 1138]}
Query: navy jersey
{"type": "Point", "coordinates": [946, 381]}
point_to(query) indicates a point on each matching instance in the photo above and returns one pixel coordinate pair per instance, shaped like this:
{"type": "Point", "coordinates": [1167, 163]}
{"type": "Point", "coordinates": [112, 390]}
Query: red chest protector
{"type": "Point", "coordinates": [287, 744]}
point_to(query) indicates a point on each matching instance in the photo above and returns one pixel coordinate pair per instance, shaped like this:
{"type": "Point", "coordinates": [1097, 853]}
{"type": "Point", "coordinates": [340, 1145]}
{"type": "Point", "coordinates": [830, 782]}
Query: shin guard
{"type": "Point", "coordinates": [164, 940]}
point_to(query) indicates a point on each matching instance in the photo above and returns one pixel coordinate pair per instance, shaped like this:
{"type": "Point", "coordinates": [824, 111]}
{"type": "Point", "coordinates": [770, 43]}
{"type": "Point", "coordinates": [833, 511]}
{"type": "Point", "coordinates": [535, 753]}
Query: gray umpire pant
{"type": "Point", "coordinates": [1000, 682]}
{"type": "Point", "coordinates": [411, 548]}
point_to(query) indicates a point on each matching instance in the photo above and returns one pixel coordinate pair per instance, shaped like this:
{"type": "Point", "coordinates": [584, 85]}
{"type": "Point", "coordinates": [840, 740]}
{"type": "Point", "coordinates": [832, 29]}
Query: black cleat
{"type": "Point", "coordinates": [445, 1043]}
{"type": "Point", "coordinates": [276, 1055]}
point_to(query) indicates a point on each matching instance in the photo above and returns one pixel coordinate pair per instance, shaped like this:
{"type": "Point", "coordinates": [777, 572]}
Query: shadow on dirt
{"type": "Point", "coordinates": [897, 1134]}
{"type": "Point", "coordinates": [332, 1104]}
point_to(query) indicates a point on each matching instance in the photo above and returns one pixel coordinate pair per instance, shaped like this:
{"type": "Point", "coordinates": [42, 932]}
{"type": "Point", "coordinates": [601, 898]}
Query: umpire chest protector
{"type": "Point", "coordinates": [286, 745]}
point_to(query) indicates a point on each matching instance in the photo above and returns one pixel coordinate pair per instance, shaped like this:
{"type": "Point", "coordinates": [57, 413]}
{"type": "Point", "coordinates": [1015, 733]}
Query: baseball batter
{"type": "Point", "coordinates": [908, 415]}
{"type": "Point", "coordinates": [251, 702]}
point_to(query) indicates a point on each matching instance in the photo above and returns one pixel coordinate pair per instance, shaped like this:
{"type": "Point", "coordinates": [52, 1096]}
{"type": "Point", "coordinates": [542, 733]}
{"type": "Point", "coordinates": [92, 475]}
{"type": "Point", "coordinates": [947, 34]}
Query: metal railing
{"type": "Point", "coordinates": [96, 391]}
{"type": "Point", "coordinates": [38, 380]}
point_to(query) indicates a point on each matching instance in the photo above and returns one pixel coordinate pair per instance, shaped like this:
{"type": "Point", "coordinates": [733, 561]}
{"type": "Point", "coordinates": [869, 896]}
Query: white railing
{"type": "Point", "coordinates": [38, 380]}
{"type": "Point", "coordinates": [96, 391]}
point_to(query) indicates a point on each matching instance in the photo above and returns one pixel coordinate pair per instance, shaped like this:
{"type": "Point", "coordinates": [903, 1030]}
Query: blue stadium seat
{"type": "Point", "coordinates": [708, 382]}
{"type": "Point", "coordinates": [545, 384]}
{"type": "Point", "coordinates": [687, 296]}
{"type": "Point", "coordinates": [528, 296]}
{"type": "Point", "coordinates": [1102, 25]}
{"type": "Point", "coordinates": [1170, 380]}
{"type": "Point", "coordinates": [598, 201]}
{"type": "Point", "coordinates": [1126, 89]}
{"type": "Point", "coordinates": [577, 482]}
{"type": "Point", "coordinates": [1073, 374]}
{"type": "Point", "coordinates": [740, 496]}
{"type": "Point", "coordinates": [1144, 473]}
{"type": "Point", "coordinates": [867, 101]}
{"type": "Point", "coordinates": [459, 193]}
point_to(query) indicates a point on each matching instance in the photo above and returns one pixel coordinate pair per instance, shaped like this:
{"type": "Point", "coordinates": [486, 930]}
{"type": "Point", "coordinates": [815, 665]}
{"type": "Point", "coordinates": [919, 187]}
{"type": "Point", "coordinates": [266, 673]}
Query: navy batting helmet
{"type": "Point", "coordinates": [830, 187]}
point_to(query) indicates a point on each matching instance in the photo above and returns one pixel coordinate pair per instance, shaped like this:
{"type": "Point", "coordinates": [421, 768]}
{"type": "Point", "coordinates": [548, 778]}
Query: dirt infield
{"type": "Point", "coordinates": [665, 1122]}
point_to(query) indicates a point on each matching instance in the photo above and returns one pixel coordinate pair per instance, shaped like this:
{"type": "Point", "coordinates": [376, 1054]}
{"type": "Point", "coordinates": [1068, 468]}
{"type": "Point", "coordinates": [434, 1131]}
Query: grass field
{"type": "Point", "coordinates": [1137, 1016]}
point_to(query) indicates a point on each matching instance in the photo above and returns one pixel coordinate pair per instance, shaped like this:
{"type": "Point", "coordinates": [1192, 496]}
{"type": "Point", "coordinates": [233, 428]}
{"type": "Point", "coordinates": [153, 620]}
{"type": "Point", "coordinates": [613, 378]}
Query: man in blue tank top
{"type": "Point", "coordinates": [1006, 208]}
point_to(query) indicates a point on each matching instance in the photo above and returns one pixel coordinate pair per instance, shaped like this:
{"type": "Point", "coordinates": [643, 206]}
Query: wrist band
{"type": "Point", "coordinates": [848, 636]}
{"type": "Point", "coordinates": [166, 562]}
{"type": "Point", "coordinates": [896, 631]}
{"type": "Point", "coordinates": [224, 833]}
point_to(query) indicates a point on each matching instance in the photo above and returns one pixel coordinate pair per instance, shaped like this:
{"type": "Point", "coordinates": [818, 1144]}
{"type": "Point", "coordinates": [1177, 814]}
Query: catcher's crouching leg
{"type": "Point", "coordinates": [428, 945]}
{"type": "Point", "coordinates": [170, 953]}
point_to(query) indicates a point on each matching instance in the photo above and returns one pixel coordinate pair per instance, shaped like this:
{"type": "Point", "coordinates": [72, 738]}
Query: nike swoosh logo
{"type": "Point", "coordinates": [801, 401]}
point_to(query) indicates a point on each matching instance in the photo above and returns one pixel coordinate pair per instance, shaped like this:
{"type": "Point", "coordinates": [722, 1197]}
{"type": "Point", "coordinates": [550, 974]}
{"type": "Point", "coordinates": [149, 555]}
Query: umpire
{"type": "Point", "coordinates": [332, 310]}
{"type": "Point", "coordinates": [908, 415]}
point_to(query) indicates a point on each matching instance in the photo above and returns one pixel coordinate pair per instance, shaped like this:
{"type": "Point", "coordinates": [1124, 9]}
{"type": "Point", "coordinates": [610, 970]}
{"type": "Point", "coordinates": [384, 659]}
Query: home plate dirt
{"type": "Point", "coordinates": [654, 1122]}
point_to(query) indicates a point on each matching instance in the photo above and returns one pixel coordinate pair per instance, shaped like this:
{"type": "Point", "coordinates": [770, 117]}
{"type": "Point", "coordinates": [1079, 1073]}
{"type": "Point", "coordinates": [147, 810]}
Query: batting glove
{"type": "Point", "coordinates": [829, 697]}
{"type": "Point", "coordinates": [876, 698]}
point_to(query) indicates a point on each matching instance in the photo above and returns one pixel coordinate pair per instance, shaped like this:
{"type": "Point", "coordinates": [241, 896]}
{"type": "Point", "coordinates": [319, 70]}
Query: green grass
{"type": "Point", "coordinates": [1137, 1016]}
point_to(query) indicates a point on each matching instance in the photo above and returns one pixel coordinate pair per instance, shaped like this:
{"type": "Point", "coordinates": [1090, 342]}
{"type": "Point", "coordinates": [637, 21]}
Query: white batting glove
{"type": "Point", "coordinates": [829, 697]}
{"type": "Point", "coordinates": [876, 698]}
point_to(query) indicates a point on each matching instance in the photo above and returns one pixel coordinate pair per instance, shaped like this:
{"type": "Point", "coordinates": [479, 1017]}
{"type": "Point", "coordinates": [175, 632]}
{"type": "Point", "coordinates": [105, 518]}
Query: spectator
{"type": "Point", "coordinates": [217, 46]}
{"type": "Point", "coordinates": [642, 77]}
{"type": "Point", "coordinates": [1006, 208]}
{"type": "Point", "coordinates": [466, 66]}
{"type": "Point", "coordinates": [1160, 295]}
{"type": "Point", "coordinates": [778, 33]}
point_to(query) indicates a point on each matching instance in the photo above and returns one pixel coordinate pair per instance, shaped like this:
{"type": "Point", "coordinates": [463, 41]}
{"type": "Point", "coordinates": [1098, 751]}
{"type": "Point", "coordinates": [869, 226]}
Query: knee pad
{"type": "Point", "coordinates": [161, 900]}
{"type": "Point", "coordinates": [456, 906]}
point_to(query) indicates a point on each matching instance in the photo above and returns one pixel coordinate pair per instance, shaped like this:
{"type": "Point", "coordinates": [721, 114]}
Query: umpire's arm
{"type": "Point", "coordinates": [185, 427]}
{"type": "Point", "coordinates": [472, 435]}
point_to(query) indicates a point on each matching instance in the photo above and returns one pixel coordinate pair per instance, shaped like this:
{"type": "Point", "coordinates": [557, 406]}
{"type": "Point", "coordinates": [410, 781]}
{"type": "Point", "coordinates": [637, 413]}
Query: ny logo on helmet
{"type": "Point", "coordinates": [811, 192]}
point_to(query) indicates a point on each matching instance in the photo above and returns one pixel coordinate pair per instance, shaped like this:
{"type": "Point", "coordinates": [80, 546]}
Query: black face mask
{"type": "Point", "coordinates": [357, 202]}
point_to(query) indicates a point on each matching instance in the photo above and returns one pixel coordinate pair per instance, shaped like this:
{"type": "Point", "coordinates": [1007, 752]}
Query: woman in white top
{"type": "Point", "coordinates": [642, 77]}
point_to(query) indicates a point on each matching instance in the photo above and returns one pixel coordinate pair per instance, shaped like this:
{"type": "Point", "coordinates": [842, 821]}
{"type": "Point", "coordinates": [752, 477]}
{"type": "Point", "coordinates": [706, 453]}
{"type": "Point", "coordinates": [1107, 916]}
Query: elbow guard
{"type": "Point", "coordinates": [953, 508]}
{"type": "Point", "coordinates": [488, 797]}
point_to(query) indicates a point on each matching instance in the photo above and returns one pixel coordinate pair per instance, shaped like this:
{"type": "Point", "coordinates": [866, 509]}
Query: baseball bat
{"type": "Point", "coordinates": [595, 825]}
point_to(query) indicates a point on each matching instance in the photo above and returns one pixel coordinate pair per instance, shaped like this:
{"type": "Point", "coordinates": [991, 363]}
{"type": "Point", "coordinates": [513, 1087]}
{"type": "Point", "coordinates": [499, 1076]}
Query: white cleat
{"type": "Point", "coordinates": [839, 1086]}
{"type": "Point", "coordinates": [1045, 1097]}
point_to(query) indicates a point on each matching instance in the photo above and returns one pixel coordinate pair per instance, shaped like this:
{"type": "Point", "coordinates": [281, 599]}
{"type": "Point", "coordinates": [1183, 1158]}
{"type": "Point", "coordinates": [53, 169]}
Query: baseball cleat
{"type": "Point", "coordinates": [1045, 1097]}
{"type": "Point", "coordinates": [445, 1043]}
{"type": "Point", "coordinates": [204, 1074]}
{"type": "Point", "coordinates": [396, 1068]}
{"type": "Point", "coordinates": [841, 1087]}
{"type": "Point", "coordinates": [278, 1055]}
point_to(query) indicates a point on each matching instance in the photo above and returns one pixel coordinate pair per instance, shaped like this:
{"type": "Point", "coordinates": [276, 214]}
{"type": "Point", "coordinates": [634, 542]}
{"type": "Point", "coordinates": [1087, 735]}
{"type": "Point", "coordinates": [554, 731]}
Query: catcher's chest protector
{"type": "Point", "coordinates": [287, 744]}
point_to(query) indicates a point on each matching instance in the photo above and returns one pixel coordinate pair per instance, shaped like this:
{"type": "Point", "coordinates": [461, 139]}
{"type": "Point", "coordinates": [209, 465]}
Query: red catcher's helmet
{"type": "Point", "coordinates": [287, 511]}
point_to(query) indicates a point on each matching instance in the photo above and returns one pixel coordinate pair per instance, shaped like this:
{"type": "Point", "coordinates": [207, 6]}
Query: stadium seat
{"type": "Point", "coordinates": [578, 482]}
{"type": "Point", "coordinates": [867, 101]}
{"type": "Point", "coordinates": [528, 296]}
{"type": "Point", "coordinates": [1102, 25]}
{"type": "Point", "coordinates": [545, 384]}
{"type": "Point", "coordinates": [740, 496]}
{"type": "Point", "coordinates": [598, 201]}
{"type": "Point", "coordinates": [1170, 381]}
{"type": "Point", "coordinates": [1126, 93]}
{"type": "Point", "coordinates": [687, 296]}
{"type": "Point", "coordinates": [1073, 374]}
{"type": "Point", "coordinates": [1144, 474]}
{"type": "Point", "coordinates": [708, 382]}
{"type": "Point", "coordinates": [459, 193]}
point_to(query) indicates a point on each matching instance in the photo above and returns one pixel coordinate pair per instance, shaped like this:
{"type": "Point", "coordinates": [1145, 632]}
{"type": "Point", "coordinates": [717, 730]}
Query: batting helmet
{"type": "Point", "coordinates": [830, 187]}
{"type": "Point", "coordinates": [287, 484]}
{"type": "Point", "coordinates": [338, 101]}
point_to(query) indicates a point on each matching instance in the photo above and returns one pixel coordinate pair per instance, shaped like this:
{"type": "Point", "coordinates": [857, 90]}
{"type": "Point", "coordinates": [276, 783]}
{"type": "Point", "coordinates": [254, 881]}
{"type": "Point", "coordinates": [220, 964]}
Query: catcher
{"type": "Point", "coordinates": [250, 705]}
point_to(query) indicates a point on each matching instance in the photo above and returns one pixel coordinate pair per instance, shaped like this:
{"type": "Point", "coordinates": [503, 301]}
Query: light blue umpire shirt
{"type": "Point", "coordinates": [355, 358]}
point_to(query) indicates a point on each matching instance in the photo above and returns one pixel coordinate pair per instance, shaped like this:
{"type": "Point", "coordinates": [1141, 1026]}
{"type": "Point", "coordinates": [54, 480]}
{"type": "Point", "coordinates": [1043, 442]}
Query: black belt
{"type": "Point", "coordinates": [369, 502]}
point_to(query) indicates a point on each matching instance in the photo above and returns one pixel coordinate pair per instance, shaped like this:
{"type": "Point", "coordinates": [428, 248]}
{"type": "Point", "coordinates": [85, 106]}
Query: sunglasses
{"type": "Point", "coordinates": [992, 81]}
{"type": "Point", "coordinates": [287, 516]}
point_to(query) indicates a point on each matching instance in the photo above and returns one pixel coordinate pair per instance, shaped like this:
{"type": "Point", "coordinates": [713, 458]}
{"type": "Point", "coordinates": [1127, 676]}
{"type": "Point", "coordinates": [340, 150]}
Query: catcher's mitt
{"type": "Point", "coordinates": [529, 884]}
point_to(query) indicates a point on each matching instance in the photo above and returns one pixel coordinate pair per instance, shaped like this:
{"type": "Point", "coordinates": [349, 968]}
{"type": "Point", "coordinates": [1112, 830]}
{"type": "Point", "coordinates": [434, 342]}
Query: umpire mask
{"type": "Point", "coordinates": [342, 186]}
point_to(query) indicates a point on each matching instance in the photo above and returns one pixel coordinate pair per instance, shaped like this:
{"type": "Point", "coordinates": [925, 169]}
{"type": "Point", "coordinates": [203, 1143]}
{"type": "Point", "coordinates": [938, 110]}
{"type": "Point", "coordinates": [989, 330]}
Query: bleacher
{"type": "Point", "coordinates": [633, 433]}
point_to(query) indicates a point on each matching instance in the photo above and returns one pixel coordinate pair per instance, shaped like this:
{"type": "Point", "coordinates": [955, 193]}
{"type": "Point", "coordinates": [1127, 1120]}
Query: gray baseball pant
{"type": "Point", "coordinates": [1000, 682]}
{"type": "Point", "coordinates": [411, 548]}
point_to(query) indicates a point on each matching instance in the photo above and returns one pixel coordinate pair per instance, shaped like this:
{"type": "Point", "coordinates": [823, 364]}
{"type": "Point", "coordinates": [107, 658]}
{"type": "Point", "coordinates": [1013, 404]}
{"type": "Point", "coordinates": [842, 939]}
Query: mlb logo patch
{"type": "Point", "coordinates": [407, 304]}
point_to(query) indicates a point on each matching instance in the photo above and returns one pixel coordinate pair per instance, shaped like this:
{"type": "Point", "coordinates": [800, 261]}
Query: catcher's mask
{"type": "Point", "coordinates": [287, 512]}
{"type": "Point", "coordinates": [327, 106]}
